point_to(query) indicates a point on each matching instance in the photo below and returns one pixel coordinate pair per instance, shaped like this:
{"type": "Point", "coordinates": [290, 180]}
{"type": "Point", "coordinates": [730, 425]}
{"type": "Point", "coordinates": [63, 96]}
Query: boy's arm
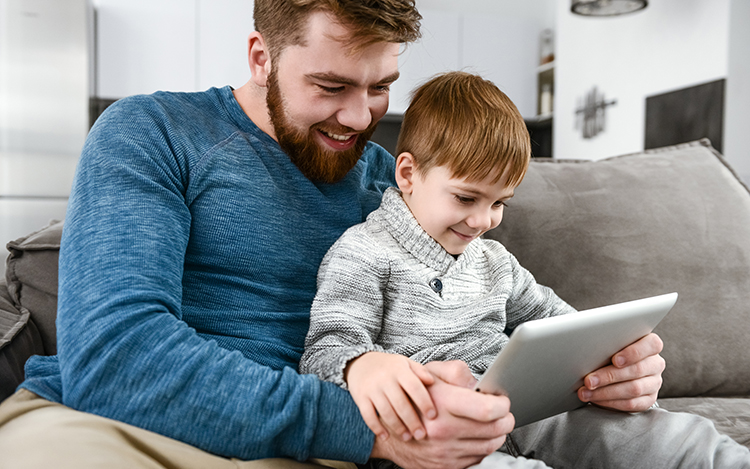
{"type": "Point", "coordinates": [125, 353]}
{"type": "Point", "coordinates": [345, 322]}
{"type": "Point", "coordinates": [528, 299]}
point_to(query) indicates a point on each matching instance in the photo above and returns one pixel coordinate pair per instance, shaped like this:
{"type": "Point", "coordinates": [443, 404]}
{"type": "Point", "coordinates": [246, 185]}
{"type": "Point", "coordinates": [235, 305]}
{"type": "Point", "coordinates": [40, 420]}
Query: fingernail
{"type": "Point", "coordinates": [431, 414]}
{"type": "Point", "coordinates": [406, 436]}
{"type": "Point", "coordinates": [419, 434]}
{"type": "Point", "coordinates": [619, 361]}
{"type": "Point", "coordinates": [593, 381]}
{"type": "Point", "coordinates": [586, 395]}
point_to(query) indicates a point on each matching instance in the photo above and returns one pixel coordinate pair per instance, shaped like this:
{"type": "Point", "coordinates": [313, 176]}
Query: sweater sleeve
{"type": "Point", "coordinates": [529, 300]}
{"type": "Point", "coordinates": [124, 351]}
{"type": "Point", "coordinates": [347, 313]}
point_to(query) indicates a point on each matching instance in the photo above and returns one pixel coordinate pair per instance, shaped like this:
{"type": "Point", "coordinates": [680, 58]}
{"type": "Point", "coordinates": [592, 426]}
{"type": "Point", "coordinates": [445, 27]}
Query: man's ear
{"type": "Point", "coordinates": [258, 58]}
{"type": "Point", "coordinates": [405, 172]}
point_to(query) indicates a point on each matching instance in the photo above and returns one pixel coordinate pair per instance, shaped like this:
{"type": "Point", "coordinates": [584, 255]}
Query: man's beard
{"type": "Point", "coordinates": [317, 163]}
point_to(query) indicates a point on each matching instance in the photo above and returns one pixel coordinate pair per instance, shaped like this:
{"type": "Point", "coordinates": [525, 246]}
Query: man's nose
{"type": "Point", "coordinates": [355, 113]}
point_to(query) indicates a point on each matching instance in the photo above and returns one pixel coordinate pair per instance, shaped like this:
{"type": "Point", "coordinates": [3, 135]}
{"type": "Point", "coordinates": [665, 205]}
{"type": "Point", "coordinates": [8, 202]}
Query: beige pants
{"type": "Point", "coordinates": [36, 433]}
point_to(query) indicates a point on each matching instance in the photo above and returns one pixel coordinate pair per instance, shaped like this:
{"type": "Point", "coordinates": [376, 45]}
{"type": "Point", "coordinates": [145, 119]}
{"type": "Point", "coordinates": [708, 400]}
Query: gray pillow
{"type": "Point", "coordinates": [31, 273]}
{"type": "Point", "coordinates": [671, 219]}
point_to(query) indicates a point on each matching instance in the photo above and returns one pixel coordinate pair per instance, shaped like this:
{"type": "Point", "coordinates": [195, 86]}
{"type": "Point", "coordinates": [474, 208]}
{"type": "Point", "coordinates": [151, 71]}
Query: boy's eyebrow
{"type": "Point", "coordinates": [336, 78]}
{"type": "Point", "coordinates": [472, 190]}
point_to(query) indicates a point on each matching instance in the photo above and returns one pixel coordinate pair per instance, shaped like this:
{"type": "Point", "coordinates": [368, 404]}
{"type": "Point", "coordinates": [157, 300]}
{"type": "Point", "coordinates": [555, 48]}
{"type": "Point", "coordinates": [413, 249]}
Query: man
{"type": "Point", "coordinates": [194, 231]}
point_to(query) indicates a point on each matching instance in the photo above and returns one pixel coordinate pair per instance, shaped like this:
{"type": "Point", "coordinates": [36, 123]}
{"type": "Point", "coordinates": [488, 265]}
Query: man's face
{"type": "Point", "coordinates": [325, 100]}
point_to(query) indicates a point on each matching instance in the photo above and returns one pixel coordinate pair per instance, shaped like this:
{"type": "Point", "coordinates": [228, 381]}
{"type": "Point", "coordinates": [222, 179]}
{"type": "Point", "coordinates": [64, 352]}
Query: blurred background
{"type": "Point", "coordinates": [588, 86]}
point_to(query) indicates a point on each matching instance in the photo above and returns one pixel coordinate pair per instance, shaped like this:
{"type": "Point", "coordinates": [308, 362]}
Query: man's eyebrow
{"type": "Point", "coordinates": [336, 78]}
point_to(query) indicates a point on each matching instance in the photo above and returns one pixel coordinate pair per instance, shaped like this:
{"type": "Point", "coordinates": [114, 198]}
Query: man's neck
{"type": "Point", "coordinates": [252, 100]}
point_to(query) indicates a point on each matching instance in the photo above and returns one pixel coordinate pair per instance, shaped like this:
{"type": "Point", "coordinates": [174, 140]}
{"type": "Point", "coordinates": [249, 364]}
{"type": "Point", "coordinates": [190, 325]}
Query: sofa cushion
{"type": "Point", "coordinates": [623, 228]}
{"type": "Point", "coordinates": [731, 416]}
{"type": "Point", "coordinates": [31, 273]}
{"type": "Point", "coordinates": [19, 339]}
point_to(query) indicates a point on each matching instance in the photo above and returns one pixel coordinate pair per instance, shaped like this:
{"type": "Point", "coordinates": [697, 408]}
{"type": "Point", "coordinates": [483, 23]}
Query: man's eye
{"type": "Point", "coordinates": [383, 88]}
{"type": "Point", "coordinates": [331, 89]}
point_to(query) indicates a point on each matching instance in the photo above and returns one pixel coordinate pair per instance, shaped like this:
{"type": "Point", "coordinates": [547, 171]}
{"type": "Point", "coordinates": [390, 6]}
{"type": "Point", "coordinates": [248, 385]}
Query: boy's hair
{"type": "Point", "coordinates": [467, 124]}
{"type": "Point", "coordinates": [283, 22]}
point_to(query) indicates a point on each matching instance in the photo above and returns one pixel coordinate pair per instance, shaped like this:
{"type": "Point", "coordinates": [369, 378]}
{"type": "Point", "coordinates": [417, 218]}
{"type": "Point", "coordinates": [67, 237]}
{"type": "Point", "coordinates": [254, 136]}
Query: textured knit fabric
{"type": "Point", "coordinates": [386, 285]}
{"type": "Point", "coordinates": [187, 270]}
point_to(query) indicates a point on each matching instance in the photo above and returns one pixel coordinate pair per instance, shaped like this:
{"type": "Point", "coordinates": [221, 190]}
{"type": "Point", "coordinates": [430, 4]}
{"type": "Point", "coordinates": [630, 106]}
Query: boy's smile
{"type": "Point", "coordinates": [453, 211]}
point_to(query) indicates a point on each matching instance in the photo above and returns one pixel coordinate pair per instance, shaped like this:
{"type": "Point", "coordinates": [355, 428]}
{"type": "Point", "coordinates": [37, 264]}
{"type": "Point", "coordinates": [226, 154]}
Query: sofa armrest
{"type": "Point", "coordinates": [31, 276]}
{"type": "Point", "coordinates": [19, 340]}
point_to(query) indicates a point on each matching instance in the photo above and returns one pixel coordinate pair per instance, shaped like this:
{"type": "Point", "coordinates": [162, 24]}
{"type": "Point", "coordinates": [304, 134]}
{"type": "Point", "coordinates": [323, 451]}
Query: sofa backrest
{"type": "Point", "coordinates": [623, 228]}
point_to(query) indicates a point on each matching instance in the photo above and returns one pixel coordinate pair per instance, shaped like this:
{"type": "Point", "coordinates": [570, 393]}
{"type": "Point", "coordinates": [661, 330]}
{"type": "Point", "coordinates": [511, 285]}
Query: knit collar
{"type": "Point", "coordinates": [401, 224]}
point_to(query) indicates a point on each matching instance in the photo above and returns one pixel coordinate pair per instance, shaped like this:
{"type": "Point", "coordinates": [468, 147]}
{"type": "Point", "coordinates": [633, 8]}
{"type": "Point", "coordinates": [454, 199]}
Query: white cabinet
{"type": "Point", "coordinates": [438, 50]}
{"type": "Point", "coordinates": [223, 29]}
{"type": "Point", "coordinates": [177, 45]}
{"type": "Point", "coordinates": [144, 46]}
{"type": "Point", "coordinates": [501, 48]}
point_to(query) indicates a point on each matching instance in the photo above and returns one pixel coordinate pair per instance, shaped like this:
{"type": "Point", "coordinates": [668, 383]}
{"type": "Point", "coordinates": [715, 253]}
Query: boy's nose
{"type": "Point", "coordinates": [480, 220]}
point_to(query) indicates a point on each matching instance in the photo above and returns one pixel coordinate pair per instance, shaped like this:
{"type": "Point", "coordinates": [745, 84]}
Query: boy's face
{"type": "Point", "coordinates": [453, 211]}
{"type": "Point", "coordinates": [325, 100]}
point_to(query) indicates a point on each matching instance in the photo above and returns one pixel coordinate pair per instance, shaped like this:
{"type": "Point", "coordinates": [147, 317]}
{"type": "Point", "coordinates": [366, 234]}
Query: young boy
{"type": "Point", "coordinates": [416, 280]}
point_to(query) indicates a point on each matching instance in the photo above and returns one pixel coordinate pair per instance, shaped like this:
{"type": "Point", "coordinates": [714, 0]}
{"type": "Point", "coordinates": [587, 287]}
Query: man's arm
{"type": "Point", "coordinates": [124, 351]}
{"type": "Point", "coordinates": [631, 382]}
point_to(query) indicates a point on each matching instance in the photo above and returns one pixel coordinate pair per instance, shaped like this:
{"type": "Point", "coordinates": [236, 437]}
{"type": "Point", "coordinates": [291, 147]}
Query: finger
{"type": "Point", "coordinates": [405, 411]}
{"type": "Point", "coordinates": [425, 376]}
{"type": "Point", "coordinates": [622, 391]}
{"type": "Point", "coordinates": [472, 405]}
{"type": "Point", "coordinates": [390, 418]}
{"type": "Point", "coordinates": [455, 372]}
{"type": "Point", "coordinates": [417, 392]}
{"type": "Point", "coordinates": [608, 375]}
{"type": "Point", "coordinates": [639, 350]}
{"type": "Point", "coordinates": [639, 404]}
{"type": "Point", "coordinates": [370, 416]}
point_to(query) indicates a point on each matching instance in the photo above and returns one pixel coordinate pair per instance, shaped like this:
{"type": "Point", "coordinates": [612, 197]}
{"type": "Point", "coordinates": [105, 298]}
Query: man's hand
{"type": "Point", "coordinates": [391, 388]}
{"type": "Point", "coordinates": [469, 425]}
{"type": "Point", "coordinates": [631, 382]}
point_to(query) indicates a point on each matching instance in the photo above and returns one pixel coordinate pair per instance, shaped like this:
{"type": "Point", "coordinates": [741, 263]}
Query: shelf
{"type": "Point", "coordinates": [546, 67]}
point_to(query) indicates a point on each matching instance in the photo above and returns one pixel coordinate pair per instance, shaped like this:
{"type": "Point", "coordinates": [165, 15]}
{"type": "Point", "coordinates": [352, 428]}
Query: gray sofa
{"type": "Point", "coordinates": [672, 219]}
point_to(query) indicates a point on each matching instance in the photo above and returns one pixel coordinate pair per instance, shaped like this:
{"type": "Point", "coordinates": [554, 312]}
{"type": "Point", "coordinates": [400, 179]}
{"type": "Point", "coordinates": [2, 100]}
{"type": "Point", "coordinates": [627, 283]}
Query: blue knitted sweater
{"type": "Point", "coordinates": [187, 270]}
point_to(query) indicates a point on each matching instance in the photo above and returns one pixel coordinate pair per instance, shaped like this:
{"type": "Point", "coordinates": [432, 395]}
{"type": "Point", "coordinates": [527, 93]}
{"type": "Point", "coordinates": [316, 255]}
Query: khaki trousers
{"type": "Point", "coordinates": [36, 433]}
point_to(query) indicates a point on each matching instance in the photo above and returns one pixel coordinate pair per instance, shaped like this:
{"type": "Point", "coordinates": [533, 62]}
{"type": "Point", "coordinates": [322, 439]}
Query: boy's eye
{"type": "Point", "coordinates": [464, 200]}
{"type": "Point", "coordinates": [499, 204]}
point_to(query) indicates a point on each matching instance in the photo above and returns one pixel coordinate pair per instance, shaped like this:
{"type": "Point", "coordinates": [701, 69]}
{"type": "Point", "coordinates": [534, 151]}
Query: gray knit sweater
{"type": "Point", "coordinates": [387, 286]}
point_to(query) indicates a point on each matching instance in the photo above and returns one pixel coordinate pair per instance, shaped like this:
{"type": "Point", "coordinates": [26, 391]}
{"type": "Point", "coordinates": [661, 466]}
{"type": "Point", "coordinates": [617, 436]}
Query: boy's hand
{"type": "Point", "coordinates": [631, 382]}
{"type": "Point", "coordinates": [470, 425]}
{"type": "Point", "coordinates": [391, 388]}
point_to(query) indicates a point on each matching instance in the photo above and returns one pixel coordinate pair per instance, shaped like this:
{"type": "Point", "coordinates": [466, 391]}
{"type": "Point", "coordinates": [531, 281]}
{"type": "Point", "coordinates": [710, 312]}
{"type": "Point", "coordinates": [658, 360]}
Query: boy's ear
{"type": "Point", "coordinates": [258, 58]}
{"type": "Point", "coordinates": [405, 172]}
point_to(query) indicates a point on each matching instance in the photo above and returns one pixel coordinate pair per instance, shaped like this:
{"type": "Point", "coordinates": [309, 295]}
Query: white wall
{"type": "Point", "coordinates": [670, 45]}
{"type": "Point", "coordinates": [737, 111]}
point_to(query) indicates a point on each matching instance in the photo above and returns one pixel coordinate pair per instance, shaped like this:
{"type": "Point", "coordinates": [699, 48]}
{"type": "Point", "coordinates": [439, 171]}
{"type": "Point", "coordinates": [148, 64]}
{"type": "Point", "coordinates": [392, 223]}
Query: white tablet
{"type": "Point", "coordinates": [544, 363]}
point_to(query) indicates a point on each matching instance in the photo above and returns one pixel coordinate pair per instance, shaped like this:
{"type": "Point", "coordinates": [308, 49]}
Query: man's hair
{"type": "Point", "coordinates": [467, 124]}
{"type": "Point", "coordinates": [283, 22]}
